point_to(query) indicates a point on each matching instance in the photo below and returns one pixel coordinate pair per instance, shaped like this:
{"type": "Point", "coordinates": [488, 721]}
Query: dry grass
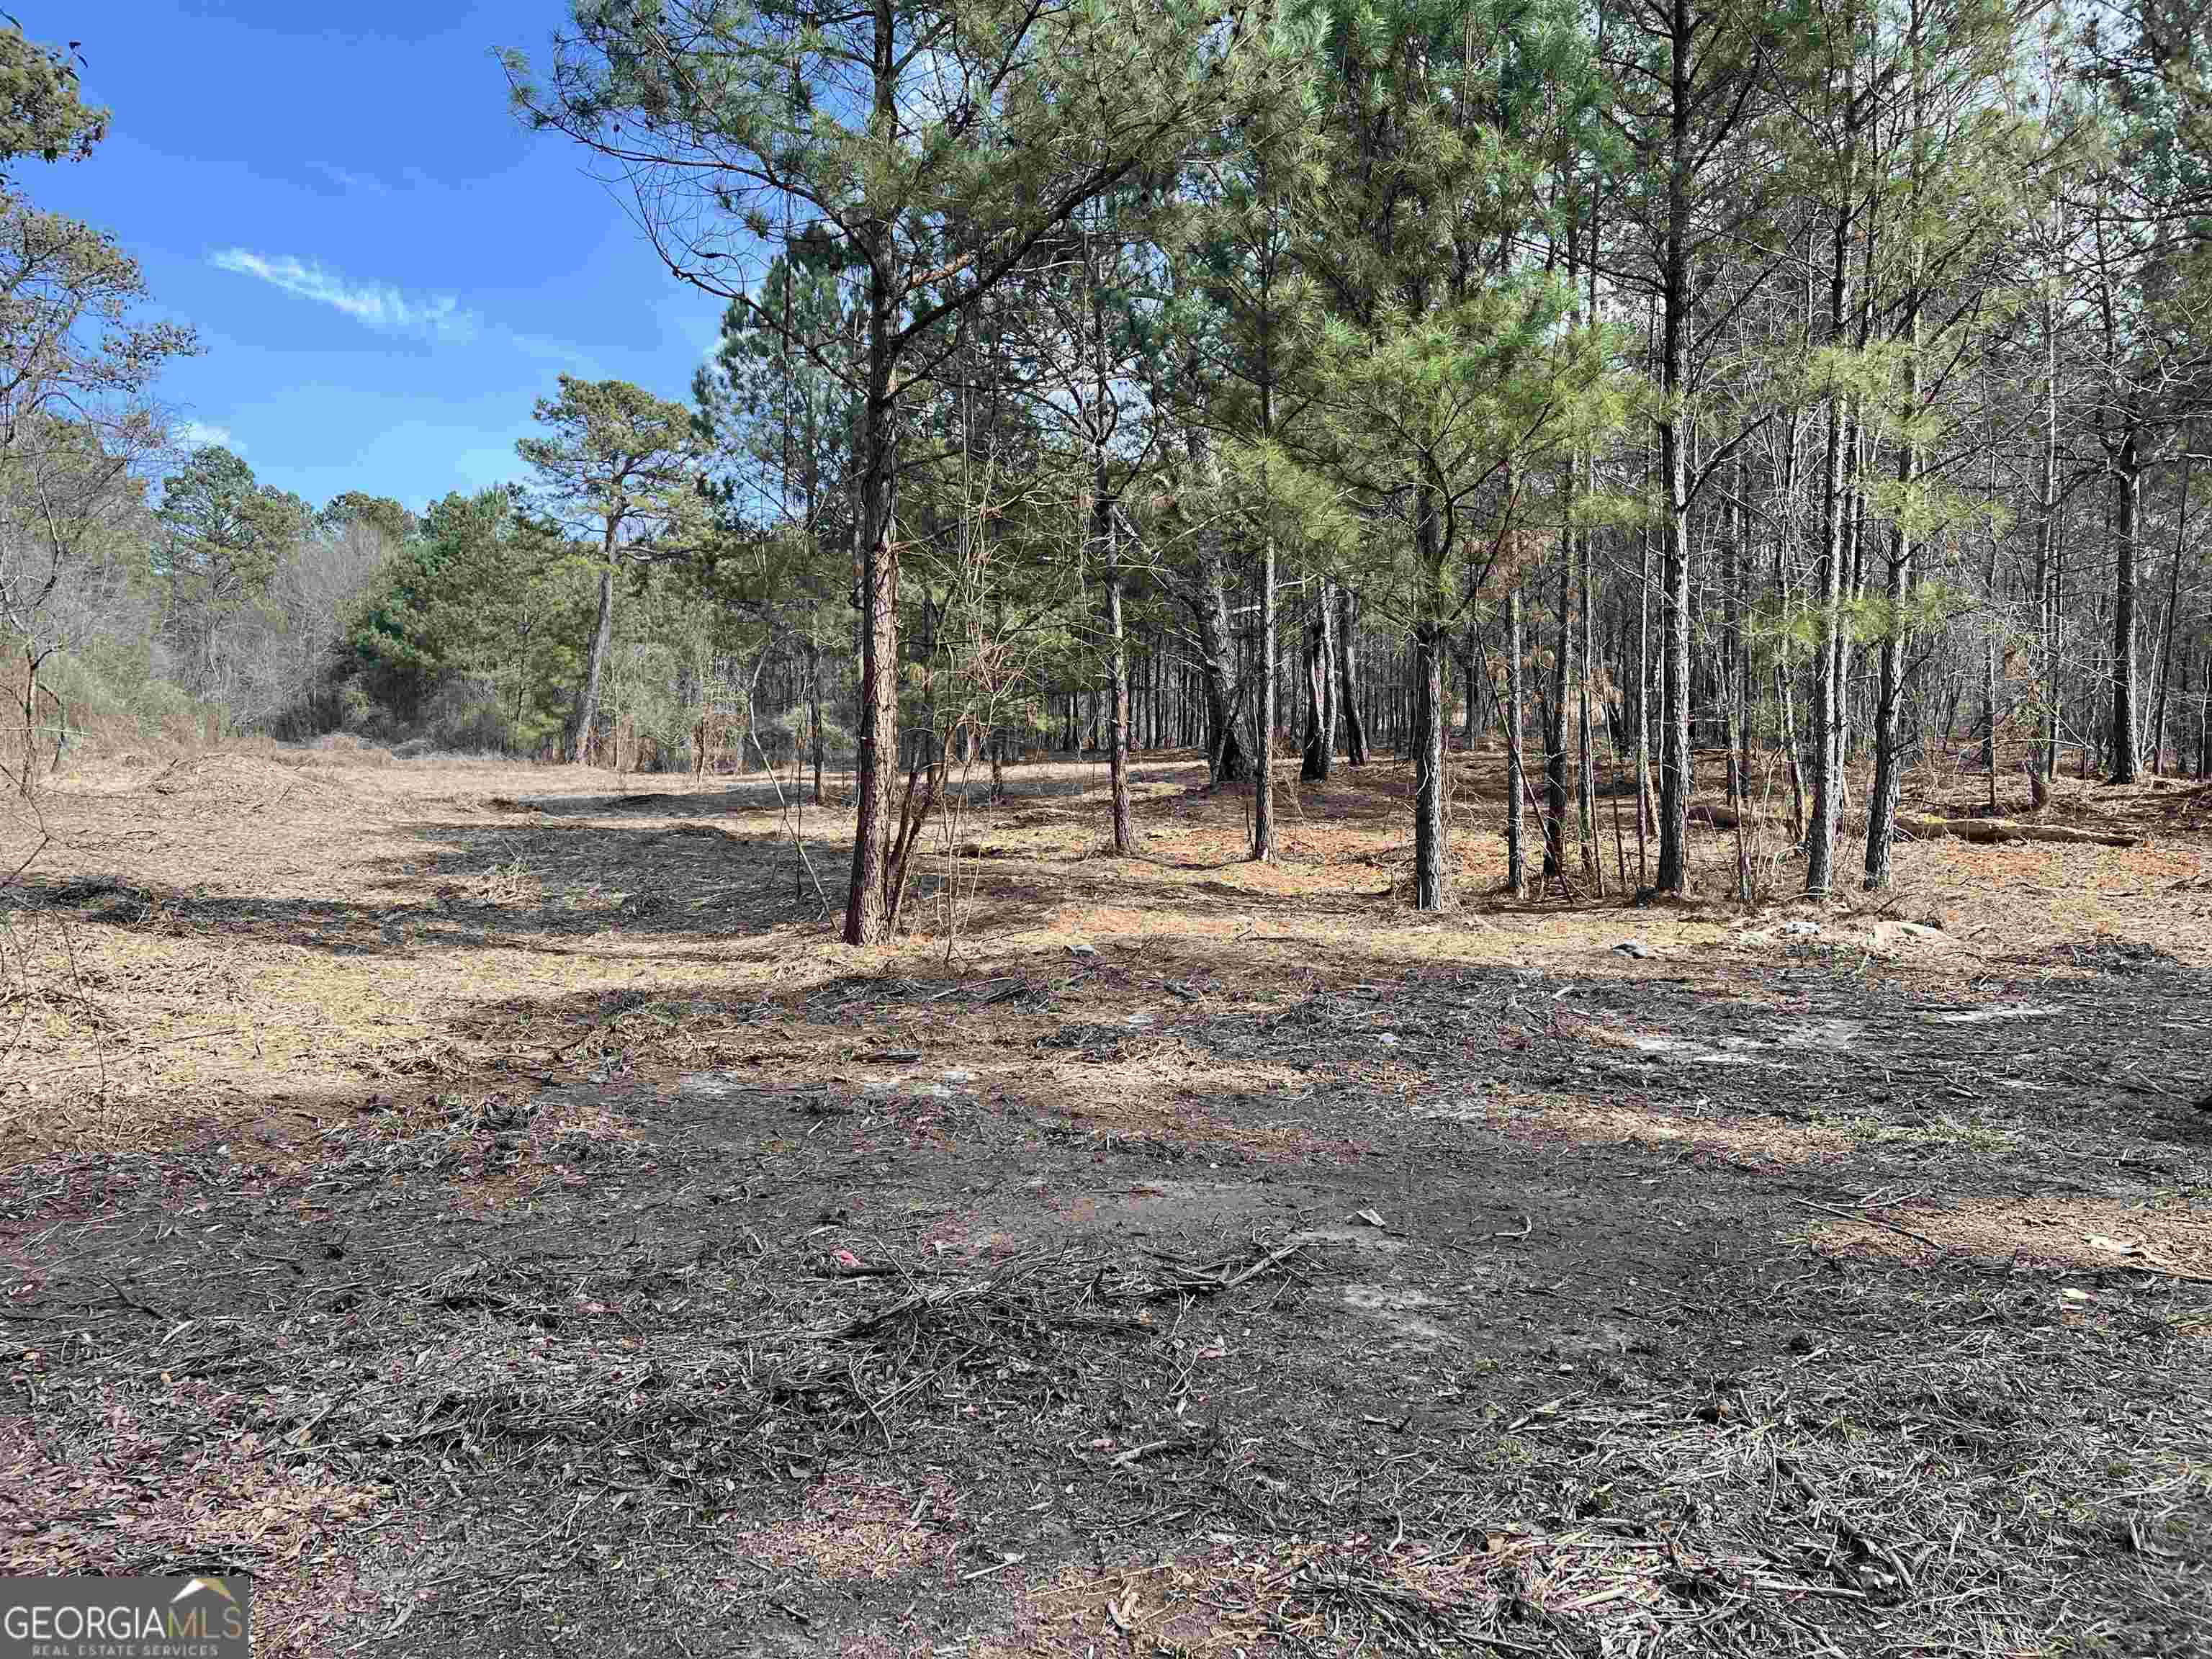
{"type": "Point", "coordinates": [429, 1176]}
{"type": "Point", "coordinates": [239, 932]}
{"type": "Point", "coordinates": [1751, 1141]}
{"type": "Point", "coordinates": [222, 940]}
{"type": "Point", "coordinates": [857, 1528]}
{"type": "Point", "coordinates": [2053, 1230]}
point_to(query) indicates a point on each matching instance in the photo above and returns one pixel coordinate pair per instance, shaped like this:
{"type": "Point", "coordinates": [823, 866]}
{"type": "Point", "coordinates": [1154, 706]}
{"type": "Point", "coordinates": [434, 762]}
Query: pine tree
{"type": "Point", "coordinates": [617, 462]}
{"type": "Point", "coordinates": [927, 178]}
{"type": "Point", "coordinates": [1445, 377]}
{"type": "Point", "coordinates": [2149, 209]}
{"type": "Point", "coordinates": [1242, 241]}
{"type": "Point", "coordinates": [1688, 77]}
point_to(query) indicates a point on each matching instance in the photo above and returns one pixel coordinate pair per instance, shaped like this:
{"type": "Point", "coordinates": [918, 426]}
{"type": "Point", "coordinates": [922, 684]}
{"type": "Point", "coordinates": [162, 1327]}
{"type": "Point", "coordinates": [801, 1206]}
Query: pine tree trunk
{"type": "Point", "coordinates": [1990, 723]}
{"type": "Point", "coordinates": [1828, 670]}
{"type": "Point", "coordinates": [1320, 687]}
{"type": "Point", "coordinates": [1429, 767]}
{"type": "Point", "coordinates": [1675, 777]}
{"type": "Point", "coordinates": [1988, 700]}
{"type": "Point", "coordinates": [1428, 710]}
{"type": "Point", "coordinates": [1731, 564]}
{"type": "Point", "coordinates": [603, 636]}
{"type": "Point", "coordinates": [2204, 714]}
{"type": "Point", "coordinates": [26, 779]}
{"type": "Point", "coordinates": [1644, 818]}
{"type": "Point", "coordinates": [1348, 678]}
{"type": "Point", "coordinates": [1555, 721]}
{"type": "Point", "coordinates": [1739, 657]}
{"type": "Point", "coordinates": [1516, 783]}
{"type": "Point", "coordinates": [1735, 563]}
{"type": "Point", "coordinates": [2165, 645]}
{"type": "Point", "coordinates": [1585, 755]}
{"type": "Point", "coordinates": [2046, 551]}
{"type": "Point", "coordinates": [1263, 797]}
{"type": "Point", "coordinates": [1675, 300]}
{"type": "Point", "coordinates": [1470, 717]}
{"type": "Point", "coordinates": [1827, 676]}
{"type": "Point", "coordinates": [2127, 509]}
{"type": "Point", "coordinates": [1125, 830]}
{"type": "Point", "coordinates": [866, 902]}
{"type": "Point", "coordinates": [814, 712]}
{"type": "Point", "coordinates": [1784, 691]}
{"type": "Point", "coordinates": [1225, 759]}
{"type": "Point", "coordinates": [1888, 759]}
{"type": "Point", "coordinates": [1854, 590]}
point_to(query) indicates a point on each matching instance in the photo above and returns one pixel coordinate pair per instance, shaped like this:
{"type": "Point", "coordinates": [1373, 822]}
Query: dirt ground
{"type": "Point", "coordinates": [485, 1204]}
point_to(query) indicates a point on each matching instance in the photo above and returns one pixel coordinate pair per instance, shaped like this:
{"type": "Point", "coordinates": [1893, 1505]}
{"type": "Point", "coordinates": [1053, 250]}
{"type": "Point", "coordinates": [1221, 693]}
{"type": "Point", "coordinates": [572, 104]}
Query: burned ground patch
{"type": "Point", "coordinates": [546, 1277]}
{"type": "Point", "coordinates": [897, 1356]}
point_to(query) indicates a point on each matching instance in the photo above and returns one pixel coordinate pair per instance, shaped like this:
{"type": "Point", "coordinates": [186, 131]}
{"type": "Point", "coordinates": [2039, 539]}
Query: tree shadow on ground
{"type": "Point", "coordinates": [723, 798]}
{"type": "Point", "coordinates": [520, 884]}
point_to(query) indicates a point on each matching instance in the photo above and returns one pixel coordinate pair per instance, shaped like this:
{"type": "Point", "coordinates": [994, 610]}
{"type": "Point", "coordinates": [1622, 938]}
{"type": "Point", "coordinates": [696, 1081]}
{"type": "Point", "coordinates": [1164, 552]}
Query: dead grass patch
{"type": "Point", "coordinates": [2053, 1230]}
{"type": "Point", "coordinates": [1767, 1142]}
{"type": "Point", "coordinates": [251, 786]}
{"type": "Point", "coordinates": [1612, 1593]}
{"type": "Point", "coordinates": [1176, 1092]}
{"type": "Point", "coordinates": [175, 968]}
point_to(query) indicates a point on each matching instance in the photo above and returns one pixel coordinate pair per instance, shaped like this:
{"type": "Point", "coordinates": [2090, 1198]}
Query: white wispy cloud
{"type": "Point", "coordinates": [198, 435]}
{"type": "Point", "coordinates": [376, 304]}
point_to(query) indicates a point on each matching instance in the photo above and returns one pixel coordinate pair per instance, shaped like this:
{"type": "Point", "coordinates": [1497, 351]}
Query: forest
{"type": "Point", "coordinates": [1817, 389]}
{"type": "Point", "coordinates": [1381, 828]}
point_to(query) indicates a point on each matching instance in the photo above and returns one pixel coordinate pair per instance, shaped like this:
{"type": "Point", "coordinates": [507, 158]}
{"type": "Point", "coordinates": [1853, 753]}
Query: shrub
{"type": "Point", "coordinates": [465, 713]}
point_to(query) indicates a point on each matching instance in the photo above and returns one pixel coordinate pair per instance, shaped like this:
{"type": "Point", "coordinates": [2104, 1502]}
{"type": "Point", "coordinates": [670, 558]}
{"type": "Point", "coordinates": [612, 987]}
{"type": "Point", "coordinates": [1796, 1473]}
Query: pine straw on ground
{"type": "Point", "coordinates": [232, 931]}
{"type": "Point", "coordinates": [484, 1202]}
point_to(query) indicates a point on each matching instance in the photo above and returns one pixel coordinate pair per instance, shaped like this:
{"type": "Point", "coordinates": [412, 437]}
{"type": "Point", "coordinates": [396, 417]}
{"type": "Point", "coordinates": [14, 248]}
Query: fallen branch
{"type": "Point", "coordinates": [1730, 817]}
{"type": "Point", "coordinates": [1153, 1448]}
{"type": "Point", "coordinates": [1871, 1220]}
{"type": "Point", "coordinates": [1998, 831]}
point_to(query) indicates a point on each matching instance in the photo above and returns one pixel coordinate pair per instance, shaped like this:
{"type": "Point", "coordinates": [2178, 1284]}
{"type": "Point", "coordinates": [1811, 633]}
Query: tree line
{"type": "Point", "coordinates": [1804, 392]}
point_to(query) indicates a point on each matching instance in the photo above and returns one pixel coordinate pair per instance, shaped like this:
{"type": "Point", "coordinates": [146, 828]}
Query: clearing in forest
{"type": "Point", "coordinates": [485, 1204]}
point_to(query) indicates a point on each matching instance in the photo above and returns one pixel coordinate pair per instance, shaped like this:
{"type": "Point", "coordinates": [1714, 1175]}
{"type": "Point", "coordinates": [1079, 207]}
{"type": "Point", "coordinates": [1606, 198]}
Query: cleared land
{"type": "Point", "coordinates": [483, 1203]}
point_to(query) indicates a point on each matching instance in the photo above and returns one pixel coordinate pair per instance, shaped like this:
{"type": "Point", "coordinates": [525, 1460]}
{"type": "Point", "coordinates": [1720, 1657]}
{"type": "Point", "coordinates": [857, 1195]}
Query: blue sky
{"type": "Point", "coordinates": [385, 269]}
